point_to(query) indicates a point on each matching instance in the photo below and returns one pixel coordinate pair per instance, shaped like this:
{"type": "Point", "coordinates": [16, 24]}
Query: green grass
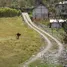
{"type": "Point", "coordinates": [13, 51]}
{"type": "Point", "coordinates": [45, 22]}
{"type": "Point", "coordinates": [38, 63]}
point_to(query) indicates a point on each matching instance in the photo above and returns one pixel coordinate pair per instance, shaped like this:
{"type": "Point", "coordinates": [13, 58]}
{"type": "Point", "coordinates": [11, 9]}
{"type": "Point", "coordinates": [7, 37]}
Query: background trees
{"type": "Point", "coordinates": [24, 3]}
{"type": "Point", "coordinates": [9, 12]}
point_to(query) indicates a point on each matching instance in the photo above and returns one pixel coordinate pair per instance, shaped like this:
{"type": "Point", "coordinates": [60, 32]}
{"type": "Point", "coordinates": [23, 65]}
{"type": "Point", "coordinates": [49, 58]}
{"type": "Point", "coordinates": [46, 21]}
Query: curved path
{"type": "Point", "coordinates": [41, 32]}
{"type": "Point", "coordinates": [42, 52]}
{"type": "Point", "coordinates": [60, 45]}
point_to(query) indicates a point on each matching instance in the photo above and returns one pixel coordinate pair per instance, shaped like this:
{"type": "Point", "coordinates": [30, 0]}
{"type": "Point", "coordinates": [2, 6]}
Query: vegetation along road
{"type": "Point", "coordinates": [42, 33]}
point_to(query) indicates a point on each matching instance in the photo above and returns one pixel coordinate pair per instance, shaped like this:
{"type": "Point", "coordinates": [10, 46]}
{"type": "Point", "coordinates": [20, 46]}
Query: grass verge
{"type": "Point", "coordinates": [39, 63]}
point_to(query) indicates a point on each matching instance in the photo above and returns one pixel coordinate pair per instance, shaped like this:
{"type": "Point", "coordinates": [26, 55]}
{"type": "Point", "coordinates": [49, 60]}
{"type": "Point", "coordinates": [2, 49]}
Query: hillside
{"type": "Point", "coordinates": [12, 50]}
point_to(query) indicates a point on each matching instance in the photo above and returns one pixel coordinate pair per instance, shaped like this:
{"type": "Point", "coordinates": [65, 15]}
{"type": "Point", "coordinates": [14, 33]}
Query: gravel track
{"type": "Point", "coordinates": [43, 34]}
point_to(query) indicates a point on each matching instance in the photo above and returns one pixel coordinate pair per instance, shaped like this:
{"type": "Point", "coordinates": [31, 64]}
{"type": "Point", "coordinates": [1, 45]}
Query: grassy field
{"type": "Point", "coordinates": [39, 63]}
{"type": "Point", "coordinates": [13, 51]}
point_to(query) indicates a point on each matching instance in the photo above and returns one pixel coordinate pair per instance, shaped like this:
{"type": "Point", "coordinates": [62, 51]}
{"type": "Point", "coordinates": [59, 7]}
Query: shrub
{"type": "Point", "coordinates": [65, 38]}
{"type": "Point", "coordinates": [9, 12]}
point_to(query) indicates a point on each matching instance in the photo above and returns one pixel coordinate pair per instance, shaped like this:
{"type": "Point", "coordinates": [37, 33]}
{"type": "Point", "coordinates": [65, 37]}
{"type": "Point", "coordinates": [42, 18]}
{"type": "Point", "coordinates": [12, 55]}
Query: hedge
{"type": "Point", "coordinates": [9, 12]}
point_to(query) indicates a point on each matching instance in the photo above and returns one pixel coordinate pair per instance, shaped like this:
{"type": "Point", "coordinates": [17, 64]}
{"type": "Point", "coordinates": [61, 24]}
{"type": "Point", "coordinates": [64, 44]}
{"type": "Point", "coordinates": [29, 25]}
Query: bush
{"type": "Point", "coordinates": [9, 12]}
{"type": "Point", "coordinates": [65, 38]}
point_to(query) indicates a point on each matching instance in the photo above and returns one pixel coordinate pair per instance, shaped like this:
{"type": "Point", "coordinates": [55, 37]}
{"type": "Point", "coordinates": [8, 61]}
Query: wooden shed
{"type": "Point", "coordinates": [40, 12]}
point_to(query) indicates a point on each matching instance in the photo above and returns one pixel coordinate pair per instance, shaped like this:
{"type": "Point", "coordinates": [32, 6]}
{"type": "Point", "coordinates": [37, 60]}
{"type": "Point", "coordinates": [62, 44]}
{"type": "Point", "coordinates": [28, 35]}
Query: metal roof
{"type": "Point", "coordinates": [57, 20]}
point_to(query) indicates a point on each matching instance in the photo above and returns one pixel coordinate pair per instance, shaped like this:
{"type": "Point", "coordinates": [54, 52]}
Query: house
{"type": "Point", "coordinates": [40, 11]}
{"type": "Point", "coordinates": [54, 23]}
{"type": "Point", "coordinates": [61, 9]}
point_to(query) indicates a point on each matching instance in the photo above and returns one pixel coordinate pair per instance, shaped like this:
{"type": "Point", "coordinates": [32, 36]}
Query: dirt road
{"type": "Point", "coordinates": [42, 33]}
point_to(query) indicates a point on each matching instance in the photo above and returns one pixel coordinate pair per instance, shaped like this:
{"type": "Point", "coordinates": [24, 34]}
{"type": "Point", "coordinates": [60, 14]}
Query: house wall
{"type": "Point", "coordinates": [56, 25]}
{"type": "Point", "coordinates": [41, 12]}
